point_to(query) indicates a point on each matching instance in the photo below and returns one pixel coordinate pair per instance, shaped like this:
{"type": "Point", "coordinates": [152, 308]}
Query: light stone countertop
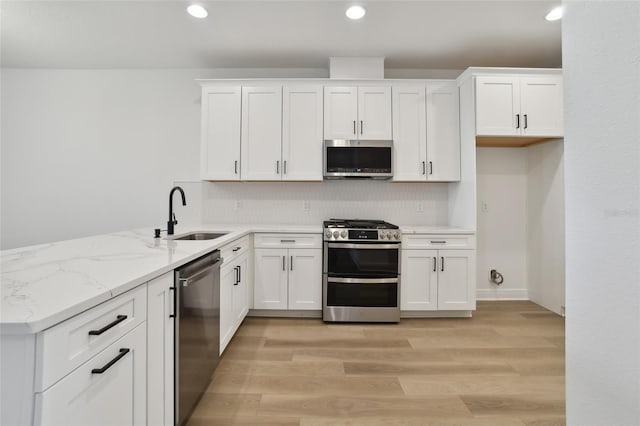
{"type": "Point", "coordinates": [46, 284]}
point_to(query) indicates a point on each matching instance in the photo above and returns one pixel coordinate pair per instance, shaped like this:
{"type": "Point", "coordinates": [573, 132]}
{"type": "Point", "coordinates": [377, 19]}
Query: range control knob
{"type": "Point", "coordinates": [335, 234]}
{"type": "Point", "coordinates": [383, 235]}
{"type": "Point", "coordinates": [327, 233]}
{"type": "Point", "coordinates": [396, 235]}
{"type": "Point", "coordinates": [343, 234]}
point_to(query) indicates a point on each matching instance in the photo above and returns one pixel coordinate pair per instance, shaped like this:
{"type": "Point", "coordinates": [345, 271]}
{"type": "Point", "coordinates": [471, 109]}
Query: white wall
{"type": "Point", "coordinates": [502, 222]}
{"type": "Point", "coordinates": [92, 151]}
{"type": "Point", "coordinates": [601, 57]}
{"type": "Point", "coordinates": [545, 225]}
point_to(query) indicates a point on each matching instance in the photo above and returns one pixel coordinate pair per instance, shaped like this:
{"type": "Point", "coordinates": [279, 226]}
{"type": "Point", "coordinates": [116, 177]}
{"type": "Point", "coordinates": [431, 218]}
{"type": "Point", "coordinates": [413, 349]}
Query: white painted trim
{"type": "Point", "coordinates": [435, 314]}
{"type": "Point", "coordinates": [502, 294]}
{"type": "Point", "coordinates": [282, 313]}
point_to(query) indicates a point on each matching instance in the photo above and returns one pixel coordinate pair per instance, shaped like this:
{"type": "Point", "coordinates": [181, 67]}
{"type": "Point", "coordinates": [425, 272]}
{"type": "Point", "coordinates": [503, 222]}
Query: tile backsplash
{"type": "Point", "coordinates": [303, 203]}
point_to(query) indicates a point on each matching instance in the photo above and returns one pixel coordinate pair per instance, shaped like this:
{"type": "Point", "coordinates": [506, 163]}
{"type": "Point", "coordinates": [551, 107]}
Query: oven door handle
{"type": "Point", "coordinates": [364, 246]}
{"type": "Point", "coordinates": [362, 280]}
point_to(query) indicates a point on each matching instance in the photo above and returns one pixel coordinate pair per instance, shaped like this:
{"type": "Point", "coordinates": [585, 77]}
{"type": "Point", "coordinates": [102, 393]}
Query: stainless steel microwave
{"type": "Point", "coordinates": [357, 159]}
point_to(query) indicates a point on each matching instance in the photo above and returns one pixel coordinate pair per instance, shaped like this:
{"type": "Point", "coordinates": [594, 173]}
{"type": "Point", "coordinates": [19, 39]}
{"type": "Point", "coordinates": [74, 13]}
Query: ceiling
{"type": "Point", "coordinates": [304, 33]}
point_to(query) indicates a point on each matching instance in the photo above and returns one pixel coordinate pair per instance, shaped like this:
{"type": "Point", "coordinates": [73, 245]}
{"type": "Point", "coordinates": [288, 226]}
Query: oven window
{"type": "Point", "coordinates": [362, 263]}
{"type": "Point", "coordinates": [364, 159]}
{"type": "Point", "coordinates": [362, 295]}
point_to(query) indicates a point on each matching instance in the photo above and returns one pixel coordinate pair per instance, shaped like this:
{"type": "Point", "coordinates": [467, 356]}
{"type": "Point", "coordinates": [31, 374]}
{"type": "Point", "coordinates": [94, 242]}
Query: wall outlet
{"type": "Point", "coordinates": [306, 205]}
{"type": "Point", "coordinates": [484, 207]}
{"type": "Point", "coordinates": [238, 204]}
{"type": "Point", "coordinates": [420, 206]}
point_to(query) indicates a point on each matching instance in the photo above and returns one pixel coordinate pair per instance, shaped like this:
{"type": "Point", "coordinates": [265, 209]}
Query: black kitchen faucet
{"type": "Point", "coordinates": [172, 216]}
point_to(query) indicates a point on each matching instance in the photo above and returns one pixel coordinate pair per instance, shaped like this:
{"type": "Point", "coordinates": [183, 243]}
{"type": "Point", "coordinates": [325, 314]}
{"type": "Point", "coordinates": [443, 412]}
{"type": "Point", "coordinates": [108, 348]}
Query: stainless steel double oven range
{"type": "Point", "coordinates": [361, 271]}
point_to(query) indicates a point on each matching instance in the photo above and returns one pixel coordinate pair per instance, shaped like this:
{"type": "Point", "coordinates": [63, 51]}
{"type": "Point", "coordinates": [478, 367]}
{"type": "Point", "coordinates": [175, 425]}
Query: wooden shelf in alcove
{"type": "Point", "coordinates": [507, 141]}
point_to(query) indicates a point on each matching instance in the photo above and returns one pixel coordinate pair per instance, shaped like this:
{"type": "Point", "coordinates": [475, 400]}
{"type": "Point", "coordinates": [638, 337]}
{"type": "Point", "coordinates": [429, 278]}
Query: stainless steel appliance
{"type": "Point", "coordinates": [357, 159]}
{"type": "Point", "coordinates": [197, 331]}
{"type": "Point", "coordinates": [361, 271]}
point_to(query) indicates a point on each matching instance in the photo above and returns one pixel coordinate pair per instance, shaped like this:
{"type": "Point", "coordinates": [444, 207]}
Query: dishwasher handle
{"type": "Point", "coordinates": [201, 273]}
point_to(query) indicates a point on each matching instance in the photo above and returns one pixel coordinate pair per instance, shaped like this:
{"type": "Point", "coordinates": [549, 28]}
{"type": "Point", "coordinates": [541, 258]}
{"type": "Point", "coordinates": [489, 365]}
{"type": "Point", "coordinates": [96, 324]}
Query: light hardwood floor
{"type": "Point", "coordinates": [503, 367]}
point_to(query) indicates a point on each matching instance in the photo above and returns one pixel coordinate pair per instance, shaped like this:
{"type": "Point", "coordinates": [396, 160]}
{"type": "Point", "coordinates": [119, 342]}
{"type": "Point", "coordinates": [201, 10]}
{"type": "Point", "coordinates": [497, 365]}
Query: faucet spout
{"type": "Point", "coordinates": [172, 217]}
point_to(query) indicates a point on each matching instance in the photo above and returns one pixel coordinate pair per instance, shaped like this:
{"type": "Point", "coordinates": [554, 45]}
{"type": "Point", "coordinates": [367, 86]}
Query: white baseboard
{"type": "Point", "coordinates": [502, 294]}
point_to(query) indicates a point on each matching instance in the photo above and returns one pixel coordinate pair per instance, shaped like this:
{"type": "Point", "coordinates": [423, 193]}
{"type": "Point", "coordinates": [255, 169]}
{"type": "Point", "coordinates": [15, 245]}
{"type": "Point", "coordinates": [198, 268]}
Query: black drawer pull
{"type": "Point", "coordinates": [237, 248]}
{"type": "Point", "coordinates": [118, 320]}
{"type": "Point", "coordinates": [108, 365]}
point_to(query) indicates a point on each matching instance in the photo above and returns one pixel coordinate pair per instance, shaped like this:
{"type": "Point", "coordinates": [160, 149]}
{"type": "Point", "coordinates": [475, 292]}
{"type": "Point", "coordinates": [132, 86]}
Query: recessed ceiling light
{"type": "Point", "coordinates": [555, 14]}
{"type": "Point", "coordinates": [197, 11]}
{"type": "Point", "coordinates": [356, 12]}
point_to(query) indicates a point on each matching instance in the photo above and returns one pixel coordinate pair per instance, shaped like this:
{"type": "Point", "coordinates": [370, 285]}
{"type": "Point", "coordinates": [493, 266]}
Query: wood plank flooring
{"type": "Point", "coordinates": [503, 367]}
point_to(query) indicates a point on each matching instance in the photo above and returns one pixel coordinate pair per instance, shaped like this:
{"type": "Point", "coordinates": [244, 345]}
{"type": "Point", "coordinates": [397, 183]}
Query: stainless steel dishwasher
{"type": "Point", "coordinates": [197, 331]}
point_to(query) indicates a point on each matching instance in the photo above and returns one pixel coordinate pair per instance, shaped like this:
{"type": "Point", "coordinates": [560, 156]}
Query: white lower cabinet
{"type": "Point", "coordinates": [109, 389]}
{"type": "Point", "coordinates": [434, 279]}
{"type": "Point", "coordinates": [288, 277]}
{"type": "Point", "coordinates": [160, 350]}
{"type": "Point", "coordinates": [235, 284]}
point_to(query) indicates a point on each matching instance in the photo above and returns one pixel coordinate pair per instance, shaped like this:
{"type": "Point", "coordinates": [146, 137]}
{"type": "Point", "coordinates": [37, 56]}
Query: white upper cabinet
{"type": "Point", "coordinates": [220, 133]}
{"type": "Point", "coordinates": [519, 106]}
{"type": "Point", "coordinates": [541, 106]}
{"type": "Point", "coordinates": [410, 134]}
{"type": "Point", "coordinates": [302, 133]}
{"type": "Point", "coordinates": [426, 133]}
{"type": "Point", "coordinates": [340, 112]}
{"type": "Point", "coordinates": [374, 113]}
{"type": "Point", "coordinates": [357, 113]}
{"type": "Point", "coordinates": [261, 139]}
{"type": "Point", "coordinates": [443, 132]}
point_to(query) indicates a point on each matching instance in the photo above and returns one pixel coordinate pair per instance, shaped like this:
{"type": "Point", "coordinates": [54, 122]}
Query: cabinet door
{"type": "Point", "coordinates": [270, 279]}
{"type": "Point", "coordinates": [374, 113]}
{"type": "Point", "coordinates": [302, 133]}
{"type": "Point", "coordinates": [419, 280]}
{"type": "Point", "coordinates": [443, 132]}
{"type": "Point", "coordinates": [240, 291]}
{"type": "Point", "coordinates": [220, 133]}
{"type": "Point", "coordinates": [261, 133]}
{"type": "Point", "coordinates": [410, 134]}
{"type": "Point", "coordinates": [541, 106]}
{"type": "Point", "coordinates": [497, 104]}
{"type": "Point", "coordinates": [456, 280]}
{"type": "Point", "coordinates": [160, 347]}
{"type": "Point", "coordinates": [117, 396]}
{"type": "Point", "coordinates": [340, 112]}
{"type": "Point", "coordinates": [305, 279]}
{"type": "Point", "coordinates": [228, 278]}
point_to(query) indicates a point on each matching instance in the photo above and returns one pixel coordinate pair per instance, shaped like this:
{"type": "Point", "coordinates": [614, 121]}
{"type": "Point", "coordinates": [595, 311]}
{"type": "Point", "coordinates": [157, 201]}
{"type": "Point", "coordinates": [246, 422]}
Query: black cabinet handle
{"type": "Point", "coordinates": [118, 320]}
{"type": "Point", "coordinates": [173, 289]}
{"type": "Point", "coordinates": [525, 121]}
{"type": "Point", "coordinates": [424, 168]}
{"type": "Point", "coordinates": [283, 266]}
{"type": "Point", "coordinates": [435, 262]}
{"type": "Point", "coordinates": [361, 127]}
{"type": "Point", "coordinates": [237, 276]}
{"type": "Point", "coordinates": [108, 365]}
{"type": "Point", "coordinates": [235, 167]}
{"type": "Point", "coordinates": [442, 264]}
{"type": "Point", "coordinates": [239, 273]}
{"type": "Point", "coordinates": [517, 121]}
{"type": "Point", "coordinates": [430, 167]}
{"type": "Point", "coordinates": [291, 263]}
{"type": "Point", "coordinates": [354, 127]}
{"type": "Point", "coordinates": [237, 248]}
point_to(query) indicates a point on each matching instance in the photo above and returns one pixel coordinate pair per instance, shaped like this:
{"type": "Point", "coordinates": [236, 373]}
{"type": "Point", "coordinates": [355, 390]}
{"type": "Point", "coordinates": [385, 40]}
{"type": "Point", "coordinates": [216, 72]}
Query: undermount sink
{"type": "Point", "coordinates": [201, 236]}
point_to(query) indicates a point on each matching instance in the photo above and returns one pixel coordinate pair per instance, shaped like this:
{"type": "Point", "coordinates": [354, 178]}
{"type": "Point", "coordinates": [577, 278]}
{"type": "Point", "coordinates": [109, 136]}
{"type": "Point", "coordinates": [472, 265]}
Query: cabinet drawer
{"type": "Point", "coordinates": [235, 248]}
{"type": "Point", "coordinates": [288, 240]}
{"type": "Point", "coordinates": [64, 347]}
{"type": "Point", "coordinates": [433, 241]}
{"type": "Point", "coordinates": [109, 389]}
